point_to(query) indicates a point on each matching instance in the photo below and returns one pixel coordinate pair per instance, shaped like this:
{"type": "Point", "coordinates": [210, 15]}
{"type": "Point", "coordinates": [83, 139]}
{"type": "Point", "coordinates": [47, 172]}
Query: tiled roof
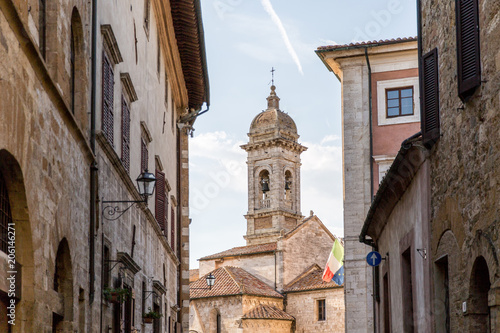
{"type": "Point", "coordinates": [243, 250]}
{"type": "Point", "coordinates": [267, 312]}
{"type": "Point", "coordinates": [230, 281]}
{"type": "Point", "coordinates": [368, 43]}
{"type": "Point", "coordinates": [310, 279]}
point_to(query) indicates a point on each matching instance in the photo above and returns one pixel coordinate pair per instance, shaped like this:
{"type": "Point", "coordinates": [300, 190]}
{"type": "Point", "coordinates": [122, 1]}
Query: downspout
{"type": "Point", "coordinates": [374, 282]}
{"type": "Point", "coordinates": [93, 167]}
{"type": "Point", "coordinates": [370, 120]}
{"type": "Point", "coordinates": [275, 267]}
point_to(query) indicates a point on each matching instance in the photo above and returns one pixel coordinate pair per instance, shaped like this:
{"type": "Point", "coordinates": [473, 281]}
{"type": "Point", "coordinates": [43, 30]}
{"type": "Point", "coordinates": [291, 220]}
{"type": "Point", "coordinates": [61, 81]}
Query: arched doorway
{"type": "Point", "coordinates": [477, 306]}
{"type": "Point", "coordinates": [15, 215]}
{"type": "Point", "coordinates": [62, 317]}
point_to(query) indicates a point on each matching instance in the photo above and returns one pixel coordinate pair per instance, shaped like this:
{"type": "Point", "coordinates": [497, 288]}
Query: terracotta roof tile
{"type": "Point", "coordinates": [231, 281]}
{"type": "Point", "coordinates": [368, 43]}
{"type": "Point", "coordinates": [310, 279]}
{"type": "Point", "coordinates": [267, 312]}
{"type": "Point", "coordinates": [243, 250]}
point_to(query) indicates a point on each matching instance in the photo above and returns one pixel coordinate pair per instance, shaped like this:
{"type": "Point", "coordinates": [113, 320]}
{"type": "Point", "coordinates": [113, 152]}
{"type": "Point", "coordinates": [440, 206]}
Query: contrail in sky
{"type": "Point", "coordinates": [269, 9]}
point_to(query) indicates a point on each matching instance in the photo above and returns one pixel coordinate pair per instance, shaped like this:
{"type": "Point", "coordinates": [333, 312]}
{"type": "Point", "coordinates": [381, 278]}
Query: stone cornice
{"type": "Point", "coordinates": [277, 142]}
{"type": "Point", "coordinates": [111, 43]}
{"type": "Point", "coordinates": [129, 263]}
{"type": "Point", "coordinates": [129, 87]}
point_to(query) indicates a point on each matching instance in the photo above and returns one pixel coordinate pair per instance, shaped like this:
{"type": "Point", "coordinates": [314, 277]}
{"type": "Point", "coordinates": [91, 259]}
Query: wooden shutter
{"type": "Point", "coordinates": [468, 59]}
{"type": "Point", "coordinates": [107, 98]}
{"type": "Point", "coordinates": [160, 195]}
{"type": "Point", "coordinates": [430, 98]}
{"type": "Point", "coordinates": [125, 134]}
{"type": "Point", "coordinates": [144, 155]}
{"type": "Point", "coordinates": [172, 228]}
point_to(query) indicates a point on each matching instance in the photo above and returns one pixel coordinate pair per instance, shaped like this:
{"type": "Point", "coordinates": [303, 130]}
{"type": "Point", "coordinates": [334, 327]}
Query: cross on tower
{"type": "Point", "coordinates": [272, 75]}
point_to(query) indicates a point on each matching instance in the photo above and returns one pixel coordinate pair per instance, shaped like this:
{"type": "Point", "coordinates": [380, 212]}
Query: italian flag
{"type": "Point", "coordinates": [334, 269]}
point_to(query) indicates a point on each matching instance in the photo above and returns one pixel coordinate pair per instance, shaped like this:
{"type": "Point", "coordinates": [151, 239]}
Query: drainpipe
{"type": "Point", "coordinates": [93, 167]}
{"type": "Point", "coordinates": [370, 120]}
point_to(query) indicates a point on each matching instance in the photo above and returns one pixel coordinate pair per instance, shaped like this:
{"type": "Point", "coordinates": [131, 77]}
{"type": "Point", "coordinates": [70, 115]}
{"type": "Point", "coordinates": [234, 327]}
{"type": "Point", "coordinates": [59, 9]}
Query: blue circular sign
{"type": "Point", "coordinates": [373, 258]}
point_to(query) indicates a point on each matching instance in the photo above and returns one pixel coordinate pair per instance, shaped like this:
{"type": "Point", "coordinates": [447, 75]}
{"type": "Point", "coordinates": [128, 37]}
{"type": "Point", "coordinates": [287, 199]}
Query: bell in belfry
{"type": "Point", "coordinates": [265, 185]}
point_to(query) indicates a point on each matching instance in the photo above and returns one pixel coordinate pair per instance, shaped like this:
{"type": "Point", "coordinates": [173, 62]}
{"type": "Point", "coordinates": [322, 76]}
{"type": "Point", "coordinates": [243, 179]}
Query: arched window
{"type": "Point", "coordinates": [77, 73]}
{"type": "Point", "coordinates": [264, 186]}
{"type": "Point", "coordinates": [288, 188]}
{"type": "Point", "coordinates": [42, 27]}
{"type": "Point", "coordinates": [5, 214]}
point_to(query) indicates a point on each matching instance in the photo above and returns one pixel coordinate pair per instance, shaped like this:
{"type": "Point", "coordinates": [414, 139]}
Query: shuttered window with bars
{"type": "Point", "coordinates": [161, 198]}
{"type": "Point", "coordinates": [108, 83]}
{"type": "Point", "coordinates": [430, 98]}
{"type": "Point", "coordinates": [5, 214]}
{"type": "Point", "coordinates": [172, 229]}
{"type": "Point", "coordinates": [125, 134]}
{"type": "Point", "coordinates": [468, 47]}
{"type": "Point", "coordinates": [144, 155]}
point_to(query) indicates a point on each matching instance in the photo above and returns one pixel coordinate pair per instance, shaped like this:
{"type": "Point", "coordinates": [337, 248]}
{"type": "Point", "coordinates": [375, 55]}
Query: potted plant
{"type": "Point", "coordinates": [116, 295]}
{"type": "Point", "coordinates": [148, 317]}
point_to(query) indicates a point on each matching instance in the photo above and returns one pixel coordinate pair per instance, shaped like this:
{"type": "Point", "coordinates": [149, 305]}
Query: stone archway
{"type": "Point", "coordinates": [13, 182]}
{"type": "Point", "coordinates": [477, 305]}
{"type": "Point", "coordinates": [62, 317]}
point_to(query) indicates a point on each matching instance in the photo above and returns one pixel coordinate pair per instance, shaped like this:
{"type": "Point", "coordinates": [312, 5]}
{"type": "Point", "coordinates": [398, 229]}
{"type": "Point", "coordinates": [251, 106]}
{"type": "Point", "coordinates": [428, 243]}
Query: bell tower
{"type": "Point", "coordinates": [273, 174]}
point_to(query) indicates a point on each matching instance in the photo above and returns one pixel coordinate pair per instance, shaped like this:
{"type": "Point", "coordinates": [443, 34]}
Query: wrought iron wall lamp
{"type": "Point", "coordinates": [145, 183]}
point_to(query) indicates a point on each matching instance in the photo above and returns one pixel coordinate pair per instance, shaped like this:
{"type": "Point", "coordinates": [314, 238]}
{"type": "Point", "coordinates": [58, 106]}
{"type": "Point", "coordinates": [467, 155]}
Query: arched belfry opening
{"type": "Point", "coordinates": [288, 185]}
{"type": "Point", "coordinates": [14, 214]}
{"type": "Point", "coordinates": [478, 312]}
{"type": "Point", "coordinates": [263, 188]}
{"type": "Point", "coordinates": [273, 174]}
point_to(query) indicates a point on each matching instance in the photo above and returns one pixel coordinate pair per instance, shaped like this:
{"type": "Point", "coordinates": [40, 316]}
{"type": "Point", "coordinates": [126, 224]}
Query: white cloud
{"type": "Point", "coordinates": [330, 138]}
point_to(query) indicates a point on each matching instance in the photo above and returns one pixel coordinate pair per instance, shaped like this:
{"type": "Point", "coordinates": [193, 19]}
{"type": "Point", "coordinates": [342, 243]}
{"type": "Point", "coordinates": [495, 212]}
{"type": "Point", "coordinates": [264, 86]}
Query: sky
{"type": "Point", "coordinates": [244, 40]}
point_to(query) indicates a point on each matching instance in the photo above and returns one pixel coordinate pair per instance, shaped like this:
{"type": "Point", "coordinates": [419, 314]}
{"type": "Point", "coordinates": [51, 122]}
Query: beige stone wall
{"type": "Point", "coordinates": [46, 157]}
{"type": "Point", "coordinates": [464, 163]}
{"type": "Point", "coordinates": [406, 226]}
{"type": "Point", "coordinates": [308, 246]}
{"type": "Point", "coordinates": [48, 189]}
{"type": "Point", "coordinates": [303, 306]}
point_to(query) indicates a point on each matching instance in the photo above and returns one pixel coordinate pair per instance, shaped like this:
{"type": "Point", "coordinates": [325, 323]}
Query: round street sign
{"type": "Point", "coordinates": [373, 258]}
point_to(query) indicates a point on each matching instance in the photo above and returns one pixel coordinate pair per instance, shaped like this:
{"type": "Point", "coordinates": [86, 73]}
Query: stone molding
{"type": "Point", "coordinates": [129, 87]}
{"type": "Point", "coordinates": [111, 43]}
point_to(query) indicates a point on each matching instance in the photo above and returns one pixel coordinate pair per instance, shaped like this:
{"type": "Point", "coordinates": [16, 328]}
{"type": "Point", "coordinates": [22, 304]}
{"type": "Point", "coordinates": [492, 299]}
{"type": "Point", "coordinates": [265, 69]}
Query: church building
{"type": "Point", "coordinates": [274, 283]}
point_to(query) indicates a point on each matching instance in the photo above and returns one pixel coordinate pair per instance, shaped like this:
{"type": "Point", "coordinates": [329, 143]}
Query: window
{"type": "Point", "coordinates": [106, 269]}
{"type": "Point", "coordinates": [219, 323]}
{"type": "Point", "coordinates": [144, 155]}
{"type": "Point", "coordinates": [42, 27]}
{"type": "Point", "coordinates": [158, 54]}
{"type": "Point", "coordinates": [321, 308]}
{"type": "Point", "coordinates": [108, 84]}
{"type": "Point", "coordinates": [407, 292]}
{"type": "Point", "coordinates": [72, 65]}
{"type": "Point", "coordinates": [125, 134]}
{"type": "Point", "coordinates": [166, 90]}
{"type": "Point", "coordinates": [468, 47]}
{"type": "Point", "coordinates": [172, 229]}
{"type": "Point", "coordinates": [386, 304]}
{"type": "Point", "coordinates": [5, 214]}
{"type": "Point", "coordinates": [147, 5]}
{"type": "Point", "coordinates": [430, 98]}
{"type": "Point", "coordinates": [160, 202]}
{"type": "Point", "coordinates": [399, 102]}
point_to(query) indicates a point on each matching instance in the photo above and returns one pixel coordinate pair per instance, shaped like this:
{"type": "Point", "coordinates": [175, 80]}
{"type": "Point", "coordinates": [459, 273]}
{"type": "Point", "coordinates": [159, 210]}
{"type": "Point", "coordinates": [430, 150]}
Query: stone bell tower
{"type": "Point", "coordinates": [273, 174]}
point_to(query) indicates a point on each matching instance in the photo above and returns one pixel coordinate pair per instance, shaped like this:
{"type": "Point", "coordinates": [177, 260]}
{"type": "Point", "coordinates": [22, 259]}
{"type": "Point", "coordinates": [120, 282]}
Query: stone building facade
{"type": "Point", "coordinates": [93, 96]}
{"type": "Point", "coordinates": [460, 52]}
{"type": "Point", "coordinates": [380, 103]}
{"type": "Point", "coordinates": [284, 251]}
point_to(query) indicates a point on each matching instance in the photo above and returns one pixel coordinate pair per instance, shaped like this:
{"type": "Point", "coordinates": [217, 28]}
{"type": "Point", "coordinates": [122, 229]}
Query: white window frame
{"type": "Point", "coordinates": [381, 101]}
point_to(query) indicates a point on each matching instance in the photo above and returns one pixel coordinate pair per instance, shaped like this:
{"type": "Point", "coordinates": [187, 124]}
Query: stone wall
{"type": "Point", "coordinates": [464, 162]}
{"type": "Point", "coordinates": [303, 306]}
{"type": "Point", "coordinates": [311, 244]}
